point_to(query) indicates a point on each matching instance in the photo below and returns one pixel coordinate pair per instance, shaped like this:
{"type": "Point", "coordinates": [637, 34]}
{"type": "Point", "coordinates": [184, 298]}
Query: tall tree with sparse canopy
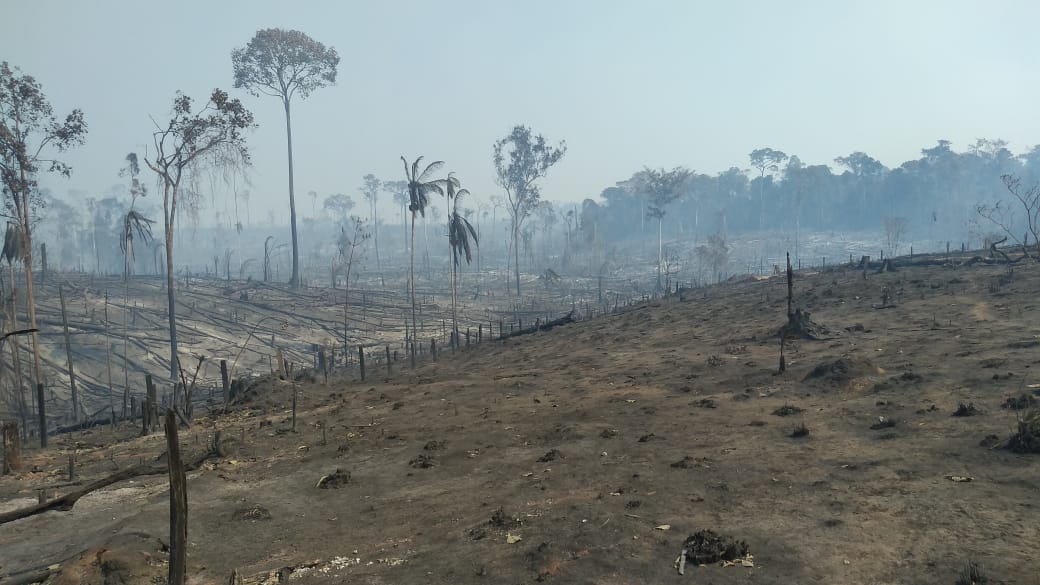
{"type": "Point", "coordinates": [285, 64]}
{"type": "Point", "coordinates": [661, 188]}
{"type": "Point", "coordinates": [420, 187]}
{"type": "Point", "coordinates": [213, 132]}
{"type": "Point", "coordinates": [370, 191]}
{"type": "Point", "coordinates": [521, 159]}
{"type": "Point", "coordinates": [765, 159]}
{"type": "Point", "coordinates": [460, 233]}
{"type": "Point", "coordinates": [29, 136]}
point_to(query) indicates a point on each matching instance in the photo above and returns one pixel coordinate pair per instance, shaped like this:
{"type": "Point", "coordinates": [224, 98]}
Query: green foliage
{"type": "Point", "coordinates": [28, 130]}
{"type": "Point", "coordinates": [284, 63]}
{"type": "Point", "coordinates": [520, 159]}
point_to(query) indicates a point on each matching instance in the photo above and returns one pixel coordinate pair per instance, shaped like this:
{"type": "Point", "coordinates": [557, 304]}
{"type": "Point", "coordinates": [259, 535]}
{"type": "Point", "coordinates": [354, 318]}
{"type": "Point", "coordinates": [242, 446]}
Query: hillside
{"type": "Point", "coordinates": [587, 454]}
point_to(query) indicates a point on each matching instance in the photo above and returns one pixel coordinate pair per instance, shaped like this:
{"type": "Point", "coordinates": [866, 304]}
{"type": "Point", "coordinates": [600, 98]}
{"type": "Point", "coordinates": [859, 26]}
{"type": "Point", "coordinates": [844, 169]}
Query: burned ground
{"type": "Point", "coordinates": [444, 474]}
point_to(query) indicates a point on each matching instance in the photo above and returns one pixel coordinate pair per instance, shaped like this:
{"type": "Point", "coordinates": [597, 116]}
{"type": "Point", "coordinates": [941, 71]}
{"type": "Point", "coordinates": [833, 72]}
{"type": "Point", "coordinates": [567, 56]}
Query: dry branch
{"type": "Point", "coordinates": [66, 502]}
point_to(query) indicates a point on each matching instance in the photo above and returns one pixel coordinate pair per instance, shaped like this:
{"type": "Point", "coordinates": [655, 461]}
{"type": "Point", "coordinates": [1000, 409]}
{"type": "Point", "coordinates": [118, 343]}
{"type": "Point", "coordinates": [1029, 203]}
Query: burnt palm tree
{"type": "Point", "coordinates": [420, 186]}
{"type": "Point", "coordinates": [460, 233]}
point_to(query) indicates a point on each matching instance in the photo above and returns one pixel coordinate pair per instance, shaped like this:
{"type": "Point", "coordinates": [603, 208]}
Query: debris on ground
{"type": "Point", "coordinates": [706, 547]}
{"type": "Point", "coordinates": [334, 481]}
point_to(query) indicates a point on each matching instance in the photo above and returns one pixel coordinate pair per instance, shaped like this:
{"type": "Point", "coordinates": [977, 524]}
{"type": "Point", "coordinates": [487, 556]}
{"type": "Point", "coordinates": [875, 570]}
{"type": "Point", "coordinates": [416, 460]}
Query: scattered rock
{"type": "Point", "coordinates": [433, 446]}
{"type": "Point", "coordinates": [705, 403]}
{"type": "Point", "coordinates": [992, 362]}
{"type": "Point", "coordinates": [647, 438]}
{"type": "Point", "coordinates": [883, 423]}
{"type": "Point", "coordinates": [608, 433]}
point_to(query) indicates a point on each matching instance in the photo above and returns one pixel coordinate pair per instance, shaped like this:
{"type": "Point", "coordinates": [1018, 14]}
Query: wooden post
{"type": "Point", "coordinates": [41, 409]}
{"type": "Point", "coordinates": [151, 403]}
{"type": "Point", "coordinates": [389, 365]}
{"type": "Point", "coordinates": [433, 349]}
{"type": "Point", "coordinates": [178, 505]}
{"type": "Point", "coordinates": [790, 287]}
{"type": "Point", "coordinates": [72, 468]}
{"type": "Point", "coordinates": [361, 361]}
{"type": "Point", "coordinates": [12, 448]}
{"type": "Point", "coordinates": [225, 382]}
{"type": "Point", "coordinates": [68, 355]}
{"type": "Point", "coordinates": [323, 365]}
{"type": "Point", "coordinates": [480, 333]}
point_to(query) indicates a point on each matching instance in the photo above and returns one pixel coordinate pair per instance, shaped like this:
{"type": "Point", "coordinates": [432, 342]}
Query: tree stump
{"type": "Point", "coordinates": [12, 447]}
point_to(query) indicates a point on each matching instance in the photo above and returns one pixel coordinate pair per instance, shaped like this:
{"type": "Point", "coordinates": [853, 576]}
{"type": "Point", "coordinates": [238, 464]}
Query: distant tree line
{"type": "Point", "coordinates": [937, 194]}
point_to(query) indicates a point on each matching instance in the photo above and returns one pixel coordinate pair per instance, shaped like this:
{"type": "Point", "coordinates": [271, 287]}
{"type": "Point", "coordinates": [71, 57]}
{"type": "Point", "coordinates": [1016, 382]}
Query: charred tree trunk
{"type": "Point", "coordinates": [12, 447]}
{"type": "Point", "coordinates": [68, 355]}
{"type": "Point", "coordinates": [178, 505]}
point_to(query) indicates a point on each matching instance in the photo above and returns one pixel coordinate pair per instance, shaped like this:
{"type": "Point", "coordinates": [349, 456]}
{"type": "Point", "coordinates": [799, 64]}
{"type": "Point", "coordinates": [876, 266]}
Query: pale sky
{"type": "Point", "coordinates": [626, 84]}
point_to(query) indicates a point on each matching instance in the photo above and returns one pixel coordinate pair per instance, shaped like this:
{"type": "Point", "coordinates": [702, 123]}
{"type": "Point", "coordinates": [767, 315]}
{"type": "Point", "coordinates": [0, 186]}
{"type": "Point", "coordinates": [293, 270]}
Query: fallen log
{"type": "Point", "coordinates": [66, 502]}
{"type": "Point", "coordinates": [568, 318]}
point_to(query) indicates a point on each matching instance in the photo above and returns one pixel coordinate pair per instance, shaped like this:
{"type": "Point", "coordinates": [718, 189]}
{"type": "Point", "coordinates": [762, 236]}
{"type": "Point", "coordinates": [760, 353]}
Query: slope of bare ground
{"type": "Point", "coordinates": [562, 456]}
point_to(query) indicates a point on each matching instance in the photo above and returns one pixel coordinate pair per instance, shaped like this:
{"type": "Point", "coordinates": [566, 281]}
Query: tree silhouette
{"type": "Point", "coordinates": [285, 64]}
{"type": "Point", "coordinates": [28, 132]}
{"type": "Point", "coordinates": [370, 191]}
{"type": "Point", "coordinates": [420, 186]}
{"type": "Point", "coordinates": [190, 136]}
{"type": "Point", "coordinates": [460, 234]}
{"type": "Point", "coordinates": [661, 188]}
{"type": "Point", "coordinates": [521, 159]}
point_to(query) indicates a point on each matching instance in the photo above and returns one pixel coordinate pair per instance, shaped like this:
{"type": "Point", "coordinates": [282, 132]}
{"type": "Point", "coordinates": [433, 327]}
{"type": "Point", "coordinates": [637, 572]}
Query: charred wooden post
{"type": "Point", "coordinates": [151, 403]}
{"type": "Point", "coordinates": [433, 349]}
{"type": "Point", "coordinates": [323, 365]}
{"type": "Point", "coordinates": [72, 468]}
{"type": "Point", "coordinates": [12, 448]}
{"type": "Point", "coordinates": [225, 382]}
{"type": "Point", "coordinates": [361, 361]}
{"type": "Point", "coordinates": [42, 411]}
{"type": "Point", "coordinates": [178, 505]}
{"type": "Point", "coordinates": [389, 365]}
{"type": "Point", "coordinates": [68, 355]}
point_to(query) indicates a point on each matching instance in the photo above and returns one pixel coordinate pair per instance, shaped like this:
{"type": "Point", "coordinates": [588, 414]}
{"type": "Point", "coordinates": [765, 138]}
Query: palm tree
{"type": "Point", "coordinates": [460, 231]}
{"type": "Point", "coordinates": [419, 189]}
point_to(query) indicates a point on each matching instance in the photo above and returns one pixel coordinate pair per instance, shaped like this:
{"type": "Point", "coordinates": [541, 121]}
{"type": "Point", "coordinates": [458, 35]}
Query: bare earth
{"type": "Point", "coordinates": [605, 444]}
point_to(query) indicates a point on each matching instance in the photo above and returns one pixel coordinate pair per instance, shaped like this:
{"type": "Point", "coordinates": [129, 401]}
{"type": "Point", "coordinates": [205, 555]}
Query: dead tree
{"type": "Point", "coordinates": [12, 447]}
{"type": "Point", "coordinates": [68, 355]}
{"type": "Point", "coordinates": [799, 323]}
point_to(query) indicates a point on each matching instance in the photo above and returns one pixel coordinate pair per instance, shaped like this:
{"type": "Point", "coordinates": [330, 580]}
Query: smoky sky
{"type": "Point", "coordinates": [626, 84]}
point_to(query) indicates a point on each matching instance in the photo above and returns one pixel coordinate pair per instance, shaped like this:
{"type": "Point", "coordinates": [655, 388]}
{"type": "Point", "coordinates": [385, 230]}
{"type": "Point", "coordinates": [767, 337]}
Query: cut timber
{"type": "Point", "coordinates": [66, 502]}
{"type": "Point", "coordinates": [568, 318]}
